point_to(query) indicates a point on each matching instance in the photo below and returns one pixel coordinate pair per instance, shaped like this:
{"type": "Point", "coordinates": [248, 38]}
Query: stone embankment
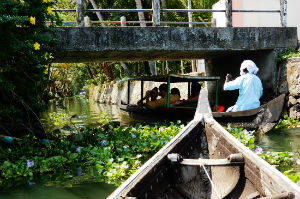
{"type": "Point", "coordinates": [112, 93]}
{"type": "Point", "coordinates": [293, 82]}
{"type": "Point", "coordinates": [289, 83]}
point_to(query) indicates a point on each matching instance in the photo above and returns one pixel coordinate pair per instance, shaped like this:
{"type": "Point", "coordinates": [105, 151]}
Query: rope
{"type": "Point", "coordinates": [212, 184]}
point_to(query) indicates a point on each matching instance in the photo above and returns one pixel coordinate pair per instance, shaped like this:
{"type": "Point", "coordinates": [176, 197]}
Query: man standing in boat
{"type": "Point", "coordinates": [162, 102]}
{"type": "Point", "coordinates": [249, 86]}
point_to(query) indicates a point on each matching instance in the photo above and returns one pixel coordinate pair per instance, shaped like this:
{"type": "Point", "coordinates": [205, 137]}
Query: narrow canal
{"type": "Point", "coordinates": [86, 184]}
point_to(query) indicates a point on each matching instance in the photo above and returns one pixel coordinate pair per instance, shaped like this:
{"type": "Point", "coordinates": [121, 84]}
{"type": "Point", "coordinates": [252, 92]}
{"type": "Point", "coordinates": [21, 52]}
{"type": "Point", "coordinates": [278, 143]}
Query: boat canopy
{"type": "Point", "coordinates": [172, 78]}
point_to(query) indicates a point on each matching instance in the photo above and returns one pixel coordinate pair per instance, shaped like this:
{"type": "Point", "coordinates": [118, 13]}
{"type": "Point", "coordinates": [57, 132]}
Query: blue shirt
{"type": "Point", "coordinates": [250, 88]}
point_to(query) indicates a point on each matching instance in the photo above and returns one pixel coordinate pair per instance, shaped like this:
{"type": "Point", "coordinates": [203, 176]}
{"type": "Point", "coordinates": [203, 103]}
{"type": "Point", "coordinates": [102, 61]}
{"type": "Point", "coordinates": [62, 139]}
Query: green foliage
{"type": "Point", "coordinates": [23, 57]}
{"type": "Point", "coordinates": [287, 122]}
{"type": "Point", "coordinates": [292, 175]}
{"type": "Point", "coordinates": [245, 137]}
{"type": "Point", "coordinates": [287, 54]}
{"type": "Point", "coordinates": [115, 151]}
{"type": "Point", "coordinates": [283, 161]}
{"type": "Point", "coordinates": [280, 160]}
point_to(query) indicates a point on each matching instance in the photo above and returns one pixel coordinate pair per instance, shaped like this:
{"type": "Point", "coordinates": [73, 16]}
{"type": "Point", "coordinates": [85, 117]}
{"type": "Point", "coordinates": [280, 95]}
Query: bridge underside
{"type": "Point", "coordinates": [165, 43]}
{"type": "Point", "coordinates": [222, 48]}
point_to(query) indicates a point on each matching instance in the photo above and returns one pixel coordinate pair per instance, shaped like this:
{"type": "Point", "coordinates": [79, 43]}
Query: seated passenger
{"type": "Point", "coordinates": [193, 98]}
{"type": "Point", "coordinates": [175, 91]}
{"type": "Point", "coordinates": [162, 102]}
{"type": "Point", "coordinates": [153, 94]}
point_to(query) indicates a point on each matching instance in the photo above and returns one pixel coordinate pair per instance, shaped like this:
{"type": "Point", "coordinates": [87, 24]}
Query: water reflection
{"type": "Point", "coordinates": [84, 112]}
{"type": "Point", "coordinates": [281, 140]}
{"type": "Point", "coordinates": [93, 190]}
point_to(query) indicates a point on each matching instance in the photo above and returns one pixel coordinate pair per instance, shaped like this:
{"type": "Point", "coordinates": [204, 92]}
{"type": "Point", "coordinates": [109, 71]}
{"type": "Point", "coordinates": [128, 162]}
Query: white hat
{"type": "Point", "coordinates": [250, 65]}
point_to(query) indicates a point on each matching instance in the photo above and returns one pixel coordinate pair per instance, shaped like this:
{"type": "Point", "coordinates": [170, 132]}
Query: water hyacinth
{"type": "Point", "coordinates": [229, 127]}
{"type": "Point", "coordinates": [160, 129]}
{"type": "Point", "coordinates": [133, 135]}
{"type": "Point", "coordinates": [259, 150]}
{"type": "Point", "coordinates": [79, 173]}
{"type": "Point", "coordinates": [78, 149]}
{"type": "Point", "coordinates": [103, 142]}
{"type": "Point", "coordinates": [30, 163]}
{"type": "Point", "coordinates": [134, 130]}
{"type": "Point", "coordinates": [31, 183]}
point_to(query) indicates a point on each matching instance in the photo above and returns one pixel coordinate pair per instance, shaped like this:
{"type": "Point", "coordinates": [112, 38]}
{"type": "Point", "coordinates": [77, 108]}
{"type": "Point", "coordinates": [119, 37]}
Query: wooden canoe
{"type": "Point", "coordinates": [231, 171]}
{"type": "Point", "coordinates": [262, 118]}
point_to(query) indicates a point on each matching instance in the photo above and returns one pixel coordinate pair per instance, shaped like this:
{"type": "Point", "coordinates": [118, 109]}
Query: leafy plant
{"type": "Point", "coordinates": [115, 151]}
{"type": "Point", "coordinates": [280, 160]}
{"type": "Point", "coordinates": [287, 122]}
{"type": "Point", "coordinates": [287, 54]}
{"type": "Point", "coordinates": [24, 41]}
{"type": "Point", "coordinates": [244, 136]}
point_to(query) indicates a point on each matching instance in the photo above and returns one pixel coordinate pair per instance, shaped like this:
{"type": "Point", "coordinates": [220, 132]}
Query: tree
{"type": "Point", "coordinates": [23, 57]}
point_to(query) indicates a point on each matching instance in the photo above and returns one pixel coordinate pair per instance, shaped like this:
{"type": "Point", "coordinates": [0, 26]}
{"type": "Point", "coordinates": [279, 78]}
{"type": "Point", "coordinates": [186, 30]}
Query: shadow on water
{"type": "Point", "coordinates": [85, 186]}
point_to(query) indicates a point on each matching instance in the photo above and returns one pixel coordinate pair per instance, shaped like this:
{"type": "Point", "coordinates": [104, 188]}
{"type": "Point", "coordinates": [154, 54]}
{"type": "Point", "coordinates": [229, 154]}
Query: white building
{"type": "Point", "coordinates": [258, 19]}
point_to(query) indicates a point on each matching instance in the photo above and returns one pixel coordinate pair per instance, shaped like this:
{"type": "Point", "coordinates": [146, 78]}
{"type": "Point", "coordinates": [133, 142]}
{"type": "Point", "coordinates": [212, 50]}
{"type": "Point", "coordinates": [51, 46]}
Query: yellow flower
{"type": "Point", "coordinates": [49, 10]}
{"type": "Point", "coordinates": [22, 1]}
{"type": "Point", "coordinates": [45, 1]}
{"type": "Point", "coordinates": [32, 20]}
{"type": "Point", "coordinates": [64, 65]}
{"type": "Point", "coordinates": [36, 46]}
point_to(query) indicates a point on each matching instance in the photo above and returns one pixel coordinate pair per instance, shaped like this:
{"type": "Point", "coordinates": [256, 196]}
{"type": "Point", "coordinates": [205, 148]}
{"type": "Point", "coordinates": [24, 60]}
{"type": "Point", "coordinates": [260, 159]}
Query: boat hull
{"type": "Point", "coordinates": [205, 138]}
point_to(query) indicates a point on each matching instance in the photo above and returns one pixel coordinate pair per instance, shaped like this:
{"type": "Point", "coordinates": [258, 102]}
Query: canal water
{"type": "Point", "coordinates": [85, 185]}
{"type": "Point", "coordinates": [281, 140]}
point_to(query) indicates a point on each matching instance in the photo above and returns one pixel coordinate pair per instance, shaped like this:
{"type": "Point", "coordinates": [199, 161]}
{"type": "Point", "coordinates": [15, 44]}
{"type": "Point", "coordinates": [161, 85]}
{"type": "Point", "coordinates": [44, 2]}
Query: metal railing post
{"type": "Point", "coordinates": [228, 13]}
{"type": "Point", "coordinates": [190, 14]}
{"type": "Point", "coordinates": [80, 13]}
{"type": "Point", "coordinates": [156, 12]}
{"type": "Point", "coordinates": [123, 21]}
{"type": "Point", "coordinates": [283, 12]}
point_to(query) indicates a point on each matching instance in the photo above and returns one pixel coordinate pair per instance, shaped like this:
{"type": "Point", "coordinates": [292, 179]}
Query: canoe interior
{"type": "Point", "coordinates": [163, 179]}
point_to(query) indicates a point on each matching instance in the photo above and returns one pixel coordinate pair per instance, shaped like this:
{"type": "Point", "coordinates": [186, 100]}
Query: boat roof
{"type": "Point", "coordinates": [173, 78]}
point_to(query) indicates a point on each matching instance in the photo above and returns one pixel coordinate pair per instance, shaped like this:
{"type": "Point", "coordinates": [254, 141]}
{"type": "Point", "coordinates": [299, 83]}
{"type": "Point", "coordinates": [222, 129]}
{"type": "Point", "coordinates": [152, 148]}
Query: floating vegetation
{"type": "Point", "coordinates": [283, 161]}
{"type": "Point", "coordinates": [115, 151]}
{"type": "Point", "coordinates": [287, 122]}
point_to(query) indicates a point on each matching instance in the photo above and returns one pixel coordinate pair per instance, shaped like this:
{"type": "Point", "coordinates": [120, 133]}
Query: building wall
{"type": "Point", "coordinates": [259, 19]}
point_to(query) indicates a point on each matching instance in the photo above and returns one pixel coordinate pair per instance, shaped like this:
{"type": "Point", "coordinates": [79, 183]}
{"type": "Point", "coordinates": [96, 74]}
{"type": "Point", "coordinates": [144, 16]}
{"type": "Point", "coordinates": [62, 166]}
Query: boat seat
{"type": "Point", "coordinates": [231, 160]}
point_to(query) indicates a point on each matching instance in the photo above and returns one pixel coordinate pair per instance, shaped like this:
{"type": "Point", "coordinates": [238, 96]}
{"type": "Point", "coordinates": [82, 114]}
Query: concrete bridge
{"type": "Point", "coordinates": [222, 48]}
{"type": "Point", "coordinates": [166, 43]}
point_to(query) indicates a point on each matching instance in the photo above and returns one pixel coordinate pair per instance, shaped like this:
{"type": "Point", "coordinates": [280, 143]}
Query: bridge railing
{"type": "Point", "coordinates": [156, 11]}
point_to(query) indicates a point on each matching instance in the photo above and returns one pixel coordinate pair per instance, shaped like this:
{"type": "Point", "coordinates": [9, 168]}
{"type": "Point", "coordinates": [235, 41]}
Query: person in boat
{"type": "Point", "coordinates": [193, 98]}
{"type": "Point", "coordinates": [162, 102]}
{"type": "Point", "coordinates": [152, 94]}
{"type": "Point", "coordinates": [249, 86]}
{"type": "Point", "coordinates": [175, 91]}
